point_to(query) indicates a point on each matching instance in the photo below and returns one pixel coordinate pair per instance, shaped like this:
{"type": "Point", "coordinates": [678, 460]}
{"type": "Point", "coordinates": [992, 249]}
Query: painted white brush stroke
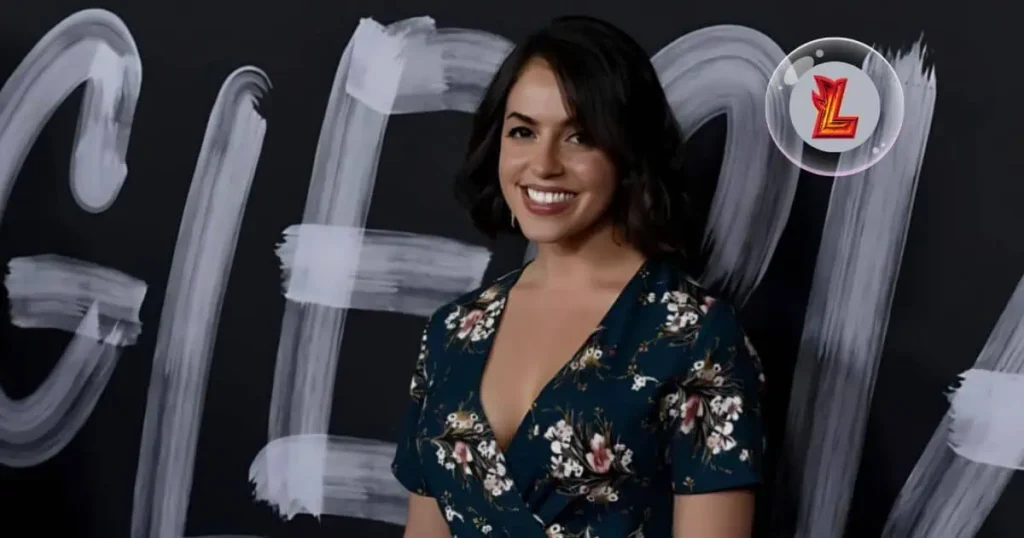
{"type": "Point", "coordinates": [377, 269]}
{"type": "Point", "coordinates": [329, 475]}
{"type": "Point", "coordinates": [986, 421]}
{"type": "Point", "coordinates": [847, 316]}
{"type": "Point", "coordinates": [435, 70]}
{"type": "Point", "coordinates": [50, 291]}
{"type": "Point", "coordinates": [100, 306]}
{"type": "Point", "coordinates": [382, 67]}
{"type": "Point", "coordinates": [446, 76]}
{"type": "Point", "coordinates": [725, 70]}
{"type": "Point", "coordinates": [947, 494]}
{"type": "Point", "coordinates": [191, 310]}
{"type": "Point", "coordinates": [94, 47]}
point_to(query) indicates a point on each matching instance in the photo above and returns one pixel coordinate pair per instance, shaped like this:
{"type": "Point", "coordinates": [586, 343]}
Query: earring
{"type": "Point", "coordinates": [513, 219]}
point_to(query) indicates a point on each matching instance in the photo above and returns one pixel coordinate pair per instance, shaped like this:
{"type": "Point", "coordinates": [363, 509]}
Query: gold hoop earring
{"type": "Point", "coordinates": [513, 220]}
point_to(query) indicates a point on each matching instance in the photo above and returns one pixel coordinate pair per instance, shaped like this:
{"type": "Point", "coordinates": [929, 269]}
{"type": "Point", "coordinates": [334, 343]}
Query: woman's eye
{"type": "Point", "coordinates": [581, 138]}
{"type": "Point", "coordinates": [519, 132]}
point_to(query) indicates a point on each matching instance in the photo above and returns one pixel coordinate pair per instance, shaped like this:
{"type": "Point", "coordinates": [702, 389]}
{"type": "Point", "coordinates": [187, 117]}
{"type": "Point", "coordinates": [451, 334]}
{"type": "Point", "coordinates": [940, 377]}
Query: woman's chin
{"type": "Point", "coordinates": [546, 234]}
{"type": "Point", "coordinates": [548, 231]}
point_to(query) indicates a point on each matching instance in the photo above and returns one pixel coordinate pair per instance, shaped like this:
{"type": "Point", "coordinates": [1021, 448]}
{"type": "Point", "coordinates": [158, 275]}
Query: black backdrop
{"type": "Point", "coordinates": [961, 263]}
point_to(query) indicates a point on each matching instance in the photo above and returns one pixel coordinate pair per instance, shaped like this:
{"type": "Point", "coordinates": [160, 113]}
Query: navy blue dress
{"type": "Point", "coordinates": [663, 398]}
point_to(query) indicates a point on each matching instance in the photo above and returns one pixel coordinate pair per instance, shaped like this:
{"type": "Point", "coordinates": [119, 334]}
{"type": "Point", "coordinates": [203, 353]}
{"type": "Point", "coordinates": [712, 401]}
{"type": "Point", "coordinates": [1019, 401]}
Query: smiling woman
{"type": "Point", "coordinates": [580, 101]}
{"type": "Point", "coordinates": [598, 391]}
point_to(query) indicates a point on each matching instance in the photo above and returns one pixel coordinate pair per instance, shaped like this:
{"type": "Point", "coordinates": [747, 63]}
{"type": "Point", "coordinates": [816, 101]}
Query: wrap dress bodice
{"type": "Point", "coordinates": [662, 399]}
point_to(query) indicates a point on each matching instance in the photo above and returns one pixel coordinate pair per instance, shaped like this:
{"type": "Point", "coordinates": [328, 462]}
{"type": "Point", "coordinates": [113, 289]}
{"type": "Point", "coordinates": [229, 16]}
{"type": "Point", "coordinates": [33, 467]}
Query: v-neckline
{"type": "Point", "coordinates": [626, 291]}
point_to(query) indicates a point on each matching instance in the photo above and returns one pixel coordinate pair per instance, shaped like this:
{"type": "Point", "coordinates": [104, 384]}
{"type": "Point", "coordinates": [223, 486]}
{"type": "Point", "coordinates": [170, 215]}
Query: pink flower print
{"type": "Point", "coordinates": [600, 457]}
{"type": "Point", "coordinates": [690, 411]}
{"type": "Point", "coordinates": [468, 322]}
{"type": "Point", "coordinates": [461, 453]}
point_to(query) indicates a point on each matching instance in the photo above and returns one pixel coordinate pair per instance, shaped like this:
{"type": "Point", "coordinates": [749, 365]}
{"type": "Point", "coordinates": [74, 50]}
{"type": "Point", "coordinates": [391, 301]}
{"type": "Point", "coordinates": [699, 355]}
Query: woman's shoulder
{"type": "Point", "coordinates": [685, 299]}
{"type": "Point", "coordinates": [667, 277]}
{"type": "Point", "coordinates": [698, 321]}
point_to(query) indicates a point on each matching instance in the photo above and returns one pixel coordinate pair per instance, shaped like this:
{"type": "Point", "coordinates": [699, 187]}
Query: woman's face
{"type": "Point", "coordinates": [557, 185]}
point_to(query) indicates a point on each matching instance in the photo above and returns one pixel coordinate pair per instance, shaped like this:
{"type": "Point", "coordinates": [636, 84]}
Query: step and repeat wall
{"type": "Point", "coordinates": [222, 225]}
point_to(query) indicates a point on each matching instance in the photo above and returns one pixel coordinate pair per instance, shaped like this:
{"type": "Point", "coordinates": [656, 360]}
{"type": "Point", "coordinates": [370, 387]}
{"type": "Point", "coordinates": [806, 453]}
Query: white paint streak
{"type": "Point", "coordinates": [947, 494]}
{"type": "Point", "coordinates": [54, 292]}
{"type": "Point", "coordinates": [100, 306]}
{"type": "Point", "coordinates": [376, 269]}
{"type": "Point", "coordinates": [847, 317]}
{"type": "Point", "coordinates": [725, 70]}
{"type": "Point", "coordinates": [199, 271]}
{"type": "Point", "coordinates": [986, 422]}
{"type": "Point", "coordinates": [92, 46]}
{"type": "Point", "coordinates": [471, 58]}
{"type": "Point", "coordinates": [446, 70]}
{"type": "Point", "coordinates": [384, 67]}
{"type": "Point", "coordinates": [97, 304]}
{"type": "Point", "coordinates": [344, 174]}
{"type": "Point", "coordinates": [329, 475]}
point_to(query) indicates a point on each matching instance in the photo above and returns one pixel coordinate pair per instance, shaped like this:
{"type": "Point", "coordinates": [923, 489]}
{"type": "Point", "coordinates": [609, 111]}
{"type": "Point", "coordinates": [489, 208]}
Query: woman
{"type": "Point", "coordinates": [598, 391]}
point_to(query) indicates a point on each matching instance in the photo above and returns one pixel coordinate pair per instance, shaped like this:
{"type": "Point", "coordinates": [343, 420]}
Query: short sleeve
{"type": "Point", "coordinates": [713, 409]}
{"type": "Point", "coordinates": [408, 465]}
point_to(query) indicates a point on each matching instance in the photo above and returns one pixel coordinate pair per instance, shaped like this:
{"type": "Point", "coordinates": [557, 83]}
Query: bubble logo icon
{"type": "Point", "coordinates": [834, 106]}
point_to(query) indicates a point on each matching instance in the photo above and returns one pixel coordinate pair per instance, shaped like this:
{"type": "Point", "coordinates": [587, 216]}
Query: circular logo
{"type": "Point", "coordinates": [834, 106]}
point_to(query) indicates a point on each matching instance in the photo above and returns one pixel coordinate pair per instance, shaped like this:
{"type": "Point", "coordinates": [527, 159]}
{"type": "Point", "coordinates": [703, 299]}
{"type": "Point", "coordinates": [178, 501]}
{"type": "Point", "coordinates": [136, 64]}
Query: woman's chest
{"type": "Point", "coordinates": [526, 361]}
{"type": "Point", "coordinates": [597, 415]}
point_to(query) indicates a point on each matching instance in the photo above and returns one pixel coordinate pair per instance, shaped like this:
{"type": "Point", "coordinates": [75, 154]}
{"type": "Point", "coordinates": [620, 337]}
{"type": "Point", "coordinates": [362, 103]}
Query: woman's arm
{"type": "Point", "coordinates": [723, 514]}
{"type": "Point", "coordinates": [425, 519]}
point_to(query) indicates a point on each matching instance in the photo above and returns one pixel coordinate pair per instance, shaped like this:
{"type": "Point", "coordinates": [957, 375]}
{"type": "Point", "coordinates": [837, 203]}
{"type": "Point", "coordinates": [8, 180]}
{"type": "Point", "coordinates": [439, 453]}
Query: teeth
{"type": "Point", "coordinates": [542, 197]}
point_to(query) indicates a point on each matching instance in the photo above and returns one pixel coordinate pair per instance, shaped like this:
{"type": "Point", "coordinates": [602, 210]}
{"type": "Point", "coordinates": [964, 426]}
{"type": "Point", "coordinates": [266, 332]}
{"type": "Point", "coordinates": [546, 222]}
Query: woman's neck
{"type": "Point", "coordinates": [596, 260]}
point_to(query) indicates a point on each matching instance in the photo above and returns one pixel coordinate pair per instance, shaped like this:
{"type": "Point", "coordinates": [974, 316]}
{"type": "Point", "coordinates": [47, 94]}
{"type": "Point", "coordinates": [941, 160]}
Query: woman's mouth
{"type": "Point", "coordinates": [547, 201]}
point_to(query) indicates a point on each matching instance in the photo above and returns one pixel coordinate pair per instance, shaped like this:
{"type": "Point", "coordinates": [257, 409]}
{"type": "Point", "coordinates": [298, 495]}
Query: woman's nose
{"type": "Point", "coordinates": [546, 161]}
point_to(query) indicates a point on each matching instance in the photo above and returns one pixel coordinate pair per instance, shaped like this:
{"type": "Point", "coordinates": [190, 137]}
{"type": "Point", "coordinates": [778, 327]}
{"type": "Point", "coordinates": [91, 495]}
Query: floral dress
{"type": "Point", "coordinates": [661, 399]}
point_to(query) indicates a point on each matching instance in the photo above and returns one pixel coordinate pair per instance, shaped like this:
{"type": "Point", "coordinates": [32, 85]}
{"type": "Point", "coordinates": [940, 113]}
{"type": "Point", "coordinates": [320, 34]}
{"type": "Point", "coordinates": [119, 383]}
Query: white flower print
{"type": "Point", "coordinates": [684, 315]}
{"type": "Point", "coordinates": [641, 381]}
{"type": "Point", "coordinates": [730, 407]}
{"type": "Point", "coordinates": [557, 530]}
{"type": "Point", "coordinates": [590, 359]}
{"type": "Point", "coordinates": [554, 531]}
{"type": "Point", "coordinates": [560, 431]}
{"type": "Point", "coordinates": [451, 515]}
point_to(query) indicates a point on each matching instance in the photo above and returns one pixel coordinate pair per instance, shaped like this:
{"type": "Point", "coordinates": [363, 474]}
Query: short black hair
{"type": "Point", "coordinates": [613, 91]}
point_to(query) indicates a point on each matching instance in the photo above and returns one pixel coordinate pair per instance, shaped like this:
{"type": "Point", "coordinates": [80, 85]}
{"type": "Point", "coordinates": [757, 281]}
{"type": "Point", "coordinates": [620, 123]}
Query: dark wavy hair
{"type": "Point", "coordinates": [614, 94]}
